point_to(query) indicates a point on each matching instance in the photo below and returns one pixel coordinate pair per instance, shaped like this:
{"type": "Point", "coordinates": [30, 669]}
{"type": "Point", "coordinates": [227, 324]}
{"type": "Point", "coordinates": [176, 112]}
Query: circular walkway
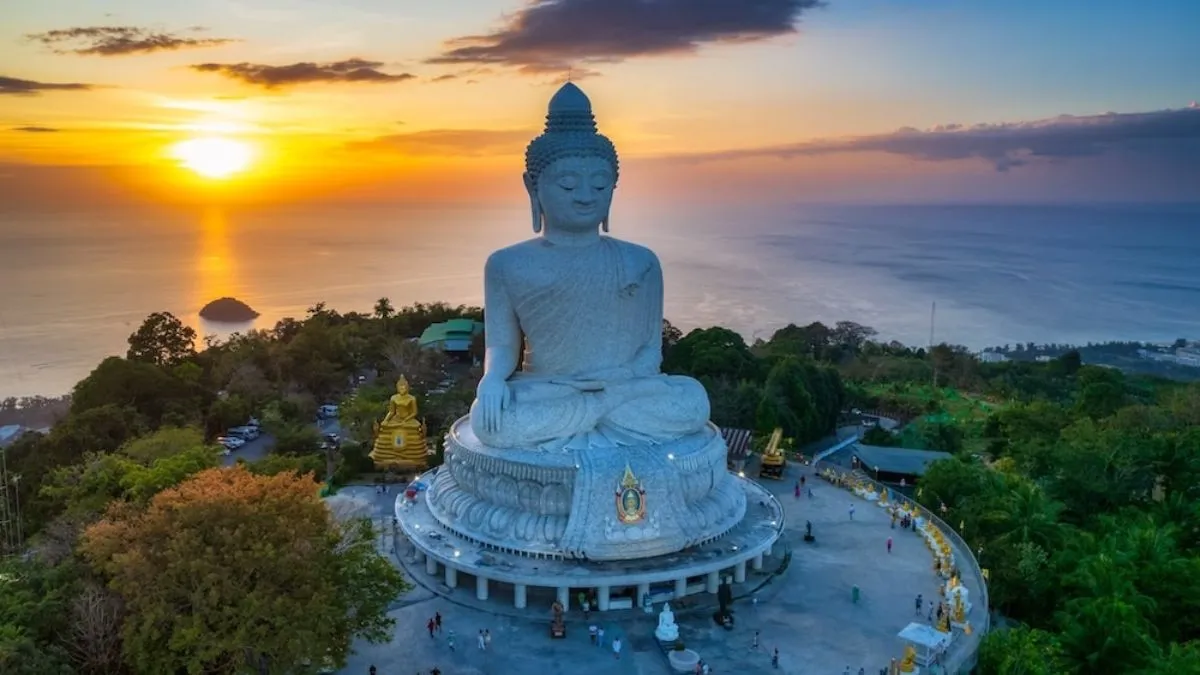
{"type": "Point", "coordinates": [806, 612]}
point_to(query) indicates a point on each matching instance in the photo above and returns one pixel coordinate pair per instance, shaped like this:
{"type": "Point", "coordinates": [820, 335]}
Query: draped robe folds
{"type": "Point", "coordinates": [586, 312]}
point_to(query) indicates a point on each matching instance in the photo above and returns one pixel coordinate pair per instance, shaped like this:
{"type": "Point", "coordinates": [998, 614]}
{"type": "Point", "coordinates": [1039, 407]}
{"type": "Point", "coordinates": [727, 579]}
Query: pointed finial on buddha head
{"type": "Point", "coordinates": [571, 169]}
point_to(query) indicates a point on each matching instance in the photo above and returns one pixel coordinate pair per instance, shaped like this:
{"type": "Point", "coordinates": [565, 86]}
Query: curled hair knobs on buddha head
{"type": "Point", "coordinates": [570, 132]}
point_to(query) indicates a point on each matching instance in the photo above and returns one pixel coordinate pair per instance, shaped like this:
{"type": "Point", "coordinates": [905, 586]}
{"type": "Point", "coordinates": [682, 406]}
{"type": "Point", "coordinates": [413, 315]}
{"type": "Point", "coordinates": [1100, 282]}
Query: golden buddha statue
{"type": "Point", "coordinates": [959, 615]}
{"type": "Point", "coordinates": [400, 437]}
{"type": "Point", "coordinates": [909, 663]}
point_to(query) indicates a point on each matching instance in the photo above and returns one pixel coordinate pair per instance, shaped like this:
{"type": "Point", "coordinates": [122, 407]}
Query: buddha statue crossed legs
{"type": "Point", "coordinates": [589, 309]}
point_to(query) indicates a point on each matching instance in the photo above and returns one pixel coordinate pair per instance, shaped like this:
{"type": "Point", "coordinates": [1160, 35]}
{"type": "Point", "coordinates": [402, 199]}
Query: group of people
{"type": "Point", "coordinates": [596, 635]}
{"type": "Point", "coordinates": [905, 520]}
{"type": "Point", "coordinates": [800, 488]}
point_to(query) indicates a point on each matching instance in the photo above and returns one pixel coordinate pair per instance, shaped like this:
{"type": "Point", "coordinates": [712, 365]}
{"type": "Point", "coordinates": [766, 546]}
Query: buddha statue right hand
{"type": "Point", "coordinates": [492, 396]}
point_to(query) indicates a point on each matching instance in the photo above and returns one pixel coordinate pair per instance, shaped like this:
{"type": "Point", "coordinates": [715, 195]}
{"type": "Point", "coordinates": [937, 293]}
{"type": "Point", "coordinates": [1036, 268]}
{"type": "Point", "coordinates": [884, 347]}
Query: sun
{"type": "Point", "coordinates": [213, 157]}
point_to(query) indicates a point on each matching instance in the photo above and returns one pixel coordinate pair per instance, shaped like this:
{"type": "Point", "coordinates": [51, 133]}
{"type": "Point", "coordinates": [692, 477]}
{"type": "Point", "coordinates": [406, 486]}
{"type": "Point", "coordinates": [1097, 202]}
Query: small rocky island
{"type": "Point", "coordinates": [228, 310]}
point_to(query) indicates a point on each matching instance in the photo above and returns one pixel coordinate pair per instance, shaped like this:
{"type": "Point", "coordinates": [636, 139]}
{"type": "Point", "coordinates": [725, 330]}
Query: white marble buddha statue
{"type": "Point", "coordinates": [667, 630]}
{"type": "Point", "coordinates": [588, 307]}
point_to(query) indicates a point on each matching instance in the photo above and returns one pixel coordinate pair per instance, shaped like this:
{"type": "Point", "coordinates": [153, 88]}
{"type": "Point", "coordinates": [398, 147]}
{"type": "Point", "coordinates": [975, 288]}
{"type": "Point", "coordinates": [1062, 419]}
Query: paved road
{"type": "Point", "coordinates": [260, 447]}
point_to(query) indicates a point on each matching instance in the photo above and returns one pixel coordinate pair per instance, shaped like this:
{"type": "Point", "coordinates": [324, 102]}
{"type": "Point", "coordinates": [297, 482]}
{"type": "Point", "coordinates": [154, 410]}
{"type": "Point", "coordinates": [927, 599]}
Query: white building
{"type": "Point", "coordinates": [991, 357]}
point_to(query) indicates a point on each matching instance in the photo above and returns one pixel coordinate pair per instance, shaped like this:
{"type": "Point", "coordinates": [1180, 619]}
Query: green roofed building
{"type": "Point", "coordinates": [890, 465]}
{"type": "Point", "coordinates": [453, 336]}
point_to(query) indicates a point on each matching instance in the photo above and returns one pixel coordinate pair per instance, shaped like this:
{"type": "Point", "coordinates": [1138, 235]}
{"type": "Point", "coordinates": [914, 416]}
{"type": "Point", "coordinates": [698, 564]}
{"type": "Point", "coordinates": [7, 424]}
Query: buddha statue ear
{"type": "Point", "coordinates": [534, 205]}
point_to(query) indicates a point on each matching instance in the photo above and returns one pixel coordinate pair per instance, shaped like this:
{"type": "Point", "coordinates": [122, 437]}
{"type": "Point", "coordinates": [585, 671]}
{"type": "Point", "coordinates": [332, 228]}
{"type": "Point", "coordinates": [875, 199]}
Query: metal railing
{"type": "Point", "coordinates": [962, 654]}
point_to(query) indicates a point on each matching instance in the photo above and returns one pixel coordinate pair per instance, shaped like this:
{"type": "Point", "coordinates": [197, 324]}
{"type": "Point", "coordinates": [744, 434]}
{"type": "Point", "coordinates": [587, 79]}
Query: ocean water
{"type": "Point", "coordinates": [74, 285]}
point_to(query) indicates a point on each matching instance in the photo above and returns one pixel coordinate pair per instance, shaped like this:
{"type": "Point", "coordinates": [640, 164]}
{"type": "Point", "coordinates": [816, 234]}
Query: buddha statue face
{"type": "Point", "coordinates": [573, 194]}
{"type": "Point", "coordinates": [402, 386]}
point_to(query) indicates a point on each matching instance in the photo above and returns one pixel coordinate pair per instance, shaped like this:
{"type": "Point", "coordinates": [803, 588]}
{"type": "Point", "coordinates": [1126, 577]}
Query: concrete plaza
{"type": "Point", "coordinates": [806, 612]}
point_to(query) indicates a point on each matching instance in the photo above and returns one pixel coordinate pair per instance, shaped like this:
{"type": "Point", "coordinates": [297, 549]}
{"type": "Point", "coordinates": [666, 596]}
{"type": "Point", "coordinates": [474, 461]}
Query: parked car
{"type": "Point", "coordinates": [246, 433]}
{"type": "Point", "coordinates": [231, 442]}
{"type": "Point", "coordinates": [327, 411]}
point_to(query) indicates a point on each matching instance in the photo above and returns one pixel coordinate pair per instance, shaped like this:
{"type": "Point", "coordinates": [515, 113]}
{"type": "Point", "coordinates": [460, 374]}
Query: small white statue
{"type": "Point", "coordinates": [667, 631]}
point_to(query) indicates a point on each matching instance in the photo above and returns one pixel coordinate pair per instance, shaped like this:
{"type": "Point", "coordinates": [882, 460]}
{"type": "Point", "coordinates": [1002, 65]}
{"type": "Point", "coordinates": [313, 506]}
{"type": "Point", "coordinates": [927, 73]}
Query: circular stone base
{"type": "Point", "coordinates": [749, 538]}
{"type": "Point", "coordinates": [576, 503]}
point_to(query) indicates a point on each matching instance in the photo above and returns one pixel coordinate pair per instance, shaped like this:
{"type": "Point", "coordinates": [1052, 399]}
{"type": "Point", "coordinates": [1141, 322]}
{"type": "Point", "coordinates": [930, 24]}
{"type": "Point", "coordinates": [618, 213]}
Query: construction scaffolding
{"type": "Point", "coordinates": [12, 536]}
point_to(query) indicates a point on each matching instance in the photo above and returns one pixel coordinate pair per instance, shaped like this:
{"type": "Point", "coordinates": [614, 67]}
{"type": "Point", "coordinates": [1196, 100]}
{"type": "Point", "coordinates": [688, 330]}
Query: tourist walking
{"type": "Point", "coordinates": [600, 636]}
{"type": "Point", "coordinates": [437, 619]}
{"type": "Point", "coordinates": [851, 512]}
{"type": "Point", "coordinates": [587, 607]}
{"type": "Point", "coordinates": [450, 640]}
{"type": "Point", "coordinates": [371, 670]}
{"type": "Point", "coordinates": [435, 671]}
{"type": "Point", "coordinates": [432, 627]}
{"type": "Point", "coordinates": [889, 544]}
{"type": "Point", "coordinates": [479, 641]}
{"type": "Point", "coordinates": [616, 646]}
{"type": "Point", "coordinates": [592, 633]}
{"type": "Point", "coordinates": [920, 601]}
{"type": "Point", "coordinates": [487, 639]}
{"type": "Point", "coordinates": [755, 639]}
{"type": "Point", "coordinates": [797, 489]}
{"type": "Point", "coordinates": [775, 659]}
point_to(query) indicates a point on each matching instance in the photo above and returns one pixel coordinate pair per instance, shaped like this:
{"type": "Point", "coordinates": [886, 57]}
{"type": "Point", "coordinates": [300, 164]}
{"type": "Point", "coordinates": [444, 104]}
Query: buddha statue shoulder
{"type": "Point", "coordinates": [587, 307]}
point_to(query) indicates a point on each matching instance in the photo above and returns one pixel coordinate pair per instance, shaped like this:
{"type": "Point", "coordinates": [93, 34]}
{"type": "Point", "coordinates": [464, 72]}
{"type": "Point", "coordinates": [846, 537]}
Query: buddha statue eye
{"type": "Point", "coordinates": [568, 183]}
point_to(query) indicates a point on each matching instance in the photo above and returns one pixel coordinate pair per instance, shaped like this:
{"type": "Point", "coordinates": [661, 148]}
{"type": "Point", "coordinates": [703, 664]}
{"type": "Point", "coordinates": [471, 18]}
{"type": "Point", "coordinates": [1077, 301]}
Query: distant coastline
{"type": "Point", "coordinates": [998, 273]}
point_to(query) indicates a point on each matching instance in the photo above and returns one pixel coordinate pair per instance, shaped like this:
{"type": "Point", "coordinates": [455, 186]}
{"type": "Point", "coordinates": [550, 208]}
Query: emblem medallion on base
{"type": "Point", "coordinates": [630, 499]}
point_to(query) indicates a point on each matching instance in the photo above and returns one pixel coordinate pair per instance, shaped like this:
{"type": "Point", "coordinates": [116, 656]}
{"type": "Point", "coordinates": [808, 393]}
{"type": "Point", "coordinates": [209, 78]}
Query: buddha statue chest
{"type": "Point", "coordinates": [581, 309]}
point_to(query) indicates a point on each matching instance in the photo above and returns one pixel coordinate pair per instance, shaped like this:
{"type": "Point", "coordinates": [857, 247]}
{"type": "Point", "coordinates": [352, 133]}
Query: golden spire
{"type": "Point", "coordinates": [629, 480]}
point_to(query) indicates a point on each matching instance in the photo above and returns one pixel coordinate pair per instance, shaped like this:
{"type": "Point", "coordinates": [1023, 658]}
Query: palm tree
{"type": "Point", "coordinates": [384, 309]}
{"type": "Point", "coordinates": [1026, 515]}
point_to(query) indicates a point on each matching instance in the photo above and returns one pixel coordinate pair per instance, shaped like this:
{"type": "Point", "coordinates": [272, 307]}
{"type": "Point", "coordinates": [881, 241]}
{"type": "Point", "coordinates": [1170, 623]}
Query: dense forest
{"type": "Point", "coordinates": [1078, 485]}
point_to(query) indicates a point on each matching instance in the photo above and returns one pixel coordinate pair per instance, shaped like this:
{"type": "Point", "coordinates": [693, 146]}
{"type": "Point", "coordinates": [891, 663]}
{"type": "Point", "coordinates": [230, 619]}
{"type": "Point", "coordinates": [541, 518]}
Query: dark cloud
{"type": "Point", "coordinates": [36, 130]}
{"type": "Point", "coordinates": [120, 40]}
{"type": "Point", "coordinates": [452, 142]}
{"type": "Point", "coordinates": [13, 86]}
{"type": "Point", "coordinates": [1008, 145]}
{"type": "Point", "coordinates": [271, 77]}
{"type": "Point", "coordinates": [554, 35]}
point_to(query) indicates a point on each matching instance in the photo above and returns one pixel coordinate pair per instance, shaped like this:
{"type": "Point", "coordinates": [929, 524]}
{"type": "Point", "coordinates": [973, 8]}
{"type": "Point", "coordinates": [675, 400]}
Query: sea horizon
{"type": "Point", "coordinates": [79, 282]}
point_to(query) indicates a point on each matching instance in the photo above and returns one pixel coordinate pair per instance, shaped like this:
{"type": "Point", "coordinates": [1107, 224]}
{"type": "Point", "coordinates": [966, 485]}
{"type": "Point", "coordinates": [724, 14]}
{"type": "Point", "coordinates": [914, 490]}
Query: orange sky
{"type": "Point", "coordinates": [95, 106]}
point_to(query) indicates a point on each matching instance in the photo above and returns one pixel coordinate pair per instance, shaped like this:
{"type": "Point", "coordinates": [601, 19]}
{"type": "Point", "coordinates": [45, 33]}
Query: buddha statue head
{"type": "Point", "coordinates": [402, 386]}
{"type": "Point", "coordinates": [570, 170]}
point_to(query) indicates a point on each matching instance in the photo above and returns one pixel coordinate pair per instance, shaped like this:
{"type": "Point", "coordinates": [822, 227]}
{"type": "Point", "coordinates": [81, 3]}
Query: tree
{"type": "Point", "coordinates": [713, 352]}
{"type": "Point", "coordinates": [384, 309]}
{"type": "Point", "coordinates": [1020, 651]}
{"type": "Point", "coordinates": [787, 403]}
{"type": "Point", "coordinates": [270, 580]}
{"type": "Point", "coordinates": [136, 472]}
{"type": "Point", "coordinates": [1071, 362]}
{"type": "Point", "coordinates": [154, 394]}
{"type": "Point", "coordinates": [34, 599]}
{"type": "Point", "coordinates": [94, 637]}
{"type": "Point", "coordinates": [670, 337]}
{"type": "Point", "coordinates": [162, 340]}
{"type": "Point", "coordinates": [943, 436]}
{"type": "Point", "coordinates": [851, 336]}
{"type": "Point", "coordinates": [879, 436]}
